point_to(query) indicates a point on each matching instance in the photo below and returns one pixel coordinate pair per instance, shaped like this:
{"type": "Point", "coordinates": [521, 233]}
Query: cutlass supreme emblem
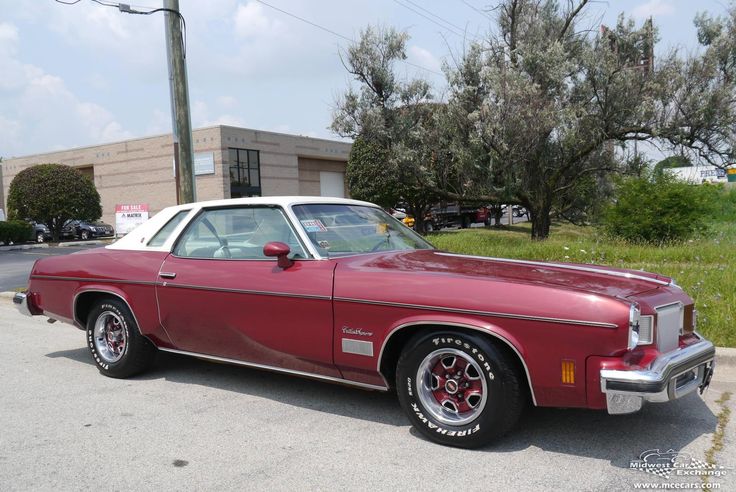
{"type": "Point", "coordinates": [346, 330]}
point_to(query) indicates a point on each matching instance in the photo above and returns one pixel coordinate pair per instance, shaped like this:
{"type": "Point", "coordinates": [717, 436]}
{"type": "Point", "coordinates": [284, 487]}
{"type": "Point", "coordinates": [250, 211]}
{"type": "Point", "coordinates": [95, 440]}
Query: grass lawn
{"type": "Point", "coordinates": [704, 268]}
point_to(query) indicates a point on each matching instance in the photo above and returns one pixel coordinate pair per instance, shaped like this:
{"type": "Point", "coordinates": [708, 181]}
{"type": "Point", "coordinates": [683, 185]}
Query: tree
{"type": "Point", "coordinates": [544, 101]}
{"type": "Point", "coordinates": [53, 194]}
{"type": "Point", "coordinates": [395, 124]}
{"type": "Point", "coordinates": [535, 111]}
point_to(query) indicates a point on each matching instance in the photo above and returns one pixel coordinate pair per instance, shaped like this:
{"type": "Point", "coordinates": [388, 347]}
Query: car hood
{"type": "Point", "coordinates": [594, 279]}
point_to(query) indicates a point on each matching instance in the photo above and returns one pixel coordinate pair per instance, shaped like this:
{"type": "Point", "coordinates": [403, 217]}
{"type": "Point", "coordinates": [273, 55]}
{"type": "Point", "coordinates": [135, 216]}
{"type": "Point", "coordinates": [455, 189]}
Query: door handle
{"type": "Point", "coordinates": [167, 274]}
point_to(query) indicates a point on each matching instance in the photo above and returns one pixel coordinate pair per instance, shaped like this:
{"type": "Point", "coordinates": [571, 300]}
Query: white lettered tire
{"type": "Point", "coordinates": [117, 347]}
{"type": "Point", "coordinates": [459, 389]}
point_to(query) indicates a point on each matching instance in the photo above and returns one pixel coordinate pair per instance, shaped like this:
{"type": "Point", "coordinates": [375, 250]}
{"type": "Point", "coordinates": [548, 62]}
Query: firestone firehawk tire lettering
{"type": "Point", "coordinates": [130, 352]}
{"type": "Point", "coordinates": [498, 376]}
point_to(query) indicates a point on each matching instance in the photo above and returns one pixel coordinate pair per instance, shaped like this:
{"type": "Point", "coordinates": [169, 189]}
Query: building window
{"type": "Point", "coordinates": [245, 172]}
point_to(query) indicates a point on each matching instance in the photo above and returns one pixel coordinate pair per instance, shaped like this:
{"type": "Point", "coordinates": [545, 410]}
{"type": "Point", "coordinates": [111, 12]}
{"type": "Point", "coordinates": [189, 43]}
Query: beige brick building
{"type": "Point", "coordinates": [229, 162]}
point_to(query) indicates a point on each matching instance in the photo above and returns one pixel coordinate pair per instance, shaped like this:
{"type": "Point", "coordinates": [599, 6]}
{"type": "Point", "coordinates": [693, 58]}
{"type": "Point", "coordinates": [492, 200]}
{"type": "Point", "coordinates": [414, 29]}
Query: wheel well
{"type": "Point", "coordinates": [401, 338]}
{"type": "Point", "coordinates": [86, 301]}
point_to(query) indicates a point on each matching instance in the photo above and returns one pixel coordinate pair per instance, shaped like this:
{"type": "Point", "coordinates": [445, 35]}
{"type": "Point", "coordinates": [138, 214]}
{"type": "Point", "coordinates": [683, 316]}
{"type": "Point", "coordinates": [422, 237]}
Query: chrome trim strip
{"type": "Point", "coordinates": [597, 324]}
{"type": "Point", "coordinates": [277, 369]}
{"type": "Point", "coordinates": [562, 266]}
{"type": "Point", "coordinates": [461, 325]}
{"type": "Point", "coordinates": [81, 279]}
{"type": "Point", "coordinates": [245, 291]}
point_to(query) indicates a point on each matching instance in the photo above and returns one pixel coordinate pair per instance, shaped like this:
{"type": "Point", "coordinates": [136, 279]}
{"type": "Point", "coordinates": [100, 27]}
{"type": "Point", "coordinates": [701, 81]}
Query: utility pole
{"type": "Point", "coordinates": [186, 191]}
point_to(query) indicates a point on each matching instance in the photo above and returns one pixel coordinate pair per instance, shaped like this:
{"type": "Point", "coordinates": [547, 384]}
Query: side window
{"type": "Point", "coordinates": [163, 234]}
{"type": "Point", "coordinates": [237, 233]}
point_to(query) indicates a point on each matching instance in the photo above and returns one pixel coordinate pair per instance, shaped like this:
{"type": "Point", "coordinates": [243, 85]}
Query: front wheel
{"type": "Point", "coordinates": [84, 235]}
{"type": "Point", "coordinates": [116, 345]}
{"type": "Point", "coordinates": [39, 237]}
{"type": "Point", "coordinates": [459, 389]}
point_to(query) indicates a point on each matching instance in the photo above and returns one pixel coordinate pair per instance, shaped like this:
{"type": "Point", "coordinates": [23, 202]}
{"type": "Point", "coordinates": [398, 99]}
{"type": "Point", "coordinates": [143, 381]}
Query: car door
{"type": "Point", "coordinates": [219, 295]}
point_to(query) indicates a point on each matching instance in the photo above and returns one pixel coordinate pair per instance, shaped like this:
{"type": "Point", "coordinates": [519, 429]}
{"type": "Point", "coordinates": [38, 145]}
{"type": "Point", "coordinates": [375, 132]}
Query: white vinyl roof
{"type": "Point", "coordinates": [283, 201]}
{"type": "Point", "coordinates": [138, 238]}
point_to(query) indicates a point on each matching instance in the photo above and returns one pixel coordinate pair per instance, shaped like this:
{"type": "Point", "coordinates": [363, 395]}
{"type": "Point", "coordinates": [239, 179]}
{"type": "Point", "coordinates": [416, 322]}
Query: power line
{"type": "Point", "coordinates": [126, 9]}
{"type": "Point", "coordinates": [484, 14]}
{"type": "Point", "coordinates": [442, 19]}
{"type": "Point", "coordinates": [314, 24]}
{"type": "Point", "coordinates": [307, 21]}
{"type": "Point", "coordinates": [448, 29]}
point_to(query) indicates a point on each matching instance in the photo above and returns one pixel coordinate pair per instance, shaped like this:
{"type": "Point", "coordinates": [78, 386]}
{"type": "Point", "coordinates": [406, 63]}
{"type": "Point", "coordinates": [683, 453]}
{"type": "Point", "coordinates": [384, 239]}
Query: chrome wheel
{"type": "Point", "coordinates": [110, 337]}
{"type": "Point", "coordinates": [451, 386]}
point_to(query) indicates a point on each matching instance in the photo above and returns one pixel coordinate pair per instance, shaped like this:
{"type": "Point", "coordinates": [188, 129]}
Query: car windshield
{"type": "Point", "coordinates": [341, 229]}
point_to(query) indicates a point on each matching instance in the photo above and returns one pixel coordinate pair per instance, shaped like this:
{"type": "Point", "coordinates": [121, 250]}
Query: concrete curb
{"type": "Point", "coordinates": [81, 243]}
{"type": "Point", "coordinates": [17, 247]}
{"type": "Point", "coordinates": [725, 356]}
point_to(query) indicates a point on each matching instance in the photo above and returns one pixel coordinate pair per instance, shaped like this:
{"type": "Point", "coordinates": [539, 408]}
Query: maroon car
{"type": "Point", "coordinates": [340, 291]}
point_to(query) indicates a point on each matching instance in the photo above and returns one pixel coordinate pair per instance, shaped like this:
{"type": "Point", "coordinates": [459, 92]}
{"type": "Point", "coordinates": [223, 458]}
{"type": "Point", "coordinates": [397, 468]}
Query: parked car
{"type": "Point", "coordinates": [80, 229]}
{"type": "Point", "coordinates": [39, 232]}
{"type": "Point", "coordinates": [454, 214]}
{"type": "Point", "coordinates": [340, 291]}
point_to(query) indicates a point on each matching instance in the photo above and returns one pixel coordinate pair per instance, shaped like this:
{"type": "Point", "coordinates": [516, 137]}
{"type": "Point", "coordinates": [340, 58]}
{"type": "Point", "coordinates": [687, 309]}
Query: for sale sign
{"type": "Point", "coordinates": [129, 216]}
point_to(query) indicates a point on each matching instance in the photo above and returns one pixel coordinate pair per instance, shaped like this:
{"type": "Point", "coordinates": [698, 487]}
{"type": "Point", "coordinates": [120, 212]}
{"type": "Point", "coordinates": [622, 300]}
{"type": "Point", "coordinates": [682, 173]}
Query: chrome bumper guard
{"type": "Point", "coordinates": [670, 376]}
{"type": "Point", "coordinates": [20, 300]}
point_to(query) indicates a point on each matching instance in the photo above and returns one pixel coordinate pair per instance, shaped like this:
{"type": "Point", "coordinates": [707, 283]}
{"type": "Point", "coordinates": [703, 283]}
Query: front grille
{"type": "Point", "coordinates": [669, 326]}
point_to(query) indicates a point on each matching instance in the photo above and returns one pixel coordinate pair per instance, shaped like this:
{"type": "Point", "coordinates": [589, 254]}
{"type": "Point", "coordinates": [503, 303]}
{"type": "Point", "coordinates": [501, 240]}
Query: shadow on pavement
{"type": "Point", "coordinates": [593, 434]}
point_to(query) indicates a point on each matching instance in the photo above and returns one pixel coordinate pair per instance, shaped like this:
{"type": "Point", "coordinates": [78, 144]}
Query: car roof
{"type": "Point", "coordinates": [138, 238]}
{"type": "Point", "coordinates": [283, 201]}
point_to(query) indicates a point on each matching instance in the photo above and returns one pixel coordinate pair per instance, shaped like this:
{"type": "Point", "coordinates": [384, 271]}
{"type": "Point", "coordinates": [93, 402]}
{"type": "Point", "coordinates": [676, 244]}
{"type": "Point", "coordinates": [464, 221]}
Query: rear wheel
{"type": "Point", "coordinates": [39, 237]}
{"type": "Point", "coordinates": [116, 345]}
{"type": "Point", "coordinates": [84, 235]}
{"type": "Point", "coordinates": [459, 389]}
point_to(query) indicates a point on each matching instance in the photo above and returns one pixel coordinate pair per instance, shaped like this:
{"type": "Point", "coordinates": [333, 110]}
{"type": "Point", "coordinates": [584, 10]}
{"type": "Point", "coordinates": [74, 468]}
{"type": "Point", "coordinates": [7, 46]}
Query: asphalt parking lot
{"type": "Point", "coordinates": [195, 425]}
{"type": "Point", "coordinates": [16, 265]}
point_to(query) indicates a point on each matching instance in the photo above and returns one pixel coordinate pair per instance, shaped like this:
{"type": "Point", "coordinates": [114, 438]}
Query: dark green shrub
{"type": "Point", "coordinates": [726, 204]}
{"type": "Point", "coordinates": [15, 231]}
{"type": "Point", "coordinates": [51, 194]}
{"type": "Point", "coordinates": [659, 209]}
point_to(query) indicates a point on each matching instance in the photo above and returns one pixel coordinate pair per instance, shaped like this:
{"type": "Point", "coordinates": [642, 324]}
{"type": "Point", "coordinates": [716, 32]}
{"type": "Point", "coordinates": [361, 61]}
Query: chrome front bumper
{"type": "Point", "coordinates": [20, 300]}
{"type": "Point", "coordinates": [670, 376]}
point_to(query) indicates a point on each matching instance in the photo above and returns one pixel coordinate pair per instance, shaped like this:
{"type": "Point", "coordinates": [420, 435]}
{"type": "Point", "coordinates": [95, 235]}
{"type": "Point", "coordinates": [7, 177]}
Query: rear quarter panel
{"type": "Point", "coordinates": [55, 283]}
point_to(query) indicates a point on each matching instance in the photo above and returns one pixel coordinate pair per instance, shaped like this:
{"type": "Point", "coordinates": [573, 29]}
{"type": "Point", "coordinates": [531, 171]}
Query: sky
{"type": "Point", "coordinates": [84, 74]}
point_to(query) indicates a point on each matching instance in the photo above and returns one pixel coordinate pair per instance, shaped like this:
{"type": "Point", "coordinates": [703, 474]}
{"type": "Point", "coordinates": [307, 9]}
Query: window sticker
{"type": "Point", "coordinates": [313, 225]}
{"type": "Point", "coordinates": [324, 245]}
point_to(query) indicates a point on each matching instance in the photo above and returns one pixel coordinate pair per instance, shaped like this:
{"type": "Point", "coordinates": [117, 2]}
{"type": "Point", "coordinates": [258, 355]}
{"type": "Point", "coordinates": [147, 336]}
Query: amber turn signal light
{"type": "Point", "coordinates": [568, 371]}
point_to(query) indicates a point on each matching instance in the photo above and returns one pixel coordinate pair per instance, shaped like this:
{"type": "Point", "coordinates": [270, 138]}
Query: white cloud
{"type": "Point", "coordinates": [227, 102]}
{"type": "Point", "coordinates": [225, 119]}
{"type": "Point", "coordinates": [201, 116]}
{"type": "Point", "coordinates": [251, 22]}
{"type": "Point", "coordinates": [653, 8]}
{"type": "Point", "coordinates": [424, 58]}
{"type": "Point", "coordinates": [8, 38]}
{"type": "Point", "coordinates": [40, 107]}
{"type": "Point", "coordinates": [160, 122]}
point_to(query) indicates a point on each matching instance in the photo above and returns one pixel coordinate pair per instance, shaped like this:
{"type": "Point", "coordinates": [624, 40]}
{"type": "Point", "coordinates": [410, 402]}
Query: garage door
{"type": "Point", "coordinates": [332, 184]}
